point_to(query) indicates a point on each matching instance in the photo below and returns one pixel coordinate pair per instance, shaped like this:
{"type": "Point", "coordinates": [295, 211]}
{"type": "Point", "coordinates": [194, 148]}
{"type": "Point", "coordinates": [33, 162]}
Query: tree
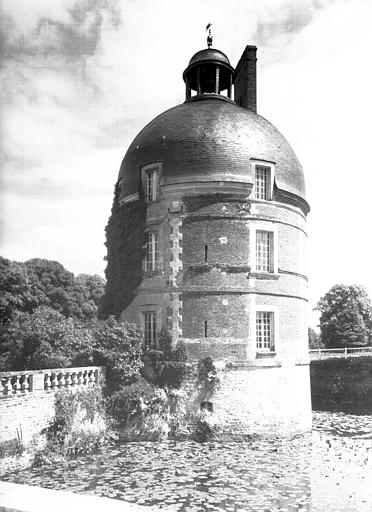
{"type": "Point", "coordinates": [15, 288]}
{"type": "Point", "coordinates": [118, 347]}
{"type": "Point", "coordinates": [86, 296]}
{"type": "Point", "coordinates": [346, 317]}
{"type": "Point", "coordinates": [51, 285]}
{"type": "Point", "coordinates": [45, 339]}
{"type": "Point", "coordinates": [40, 282]}
{"type": "Point", "coordinates": [314, 339]}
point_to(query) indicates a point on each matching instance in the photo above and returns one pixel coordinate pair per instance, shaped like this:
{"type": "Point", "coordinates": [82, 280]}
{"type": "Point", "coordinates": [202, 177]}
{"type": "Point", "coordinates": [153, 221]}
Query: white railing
{"type": "Point", "coordinates": [23, 382]}
{"type": "Point", "coordinates": [326, 353]}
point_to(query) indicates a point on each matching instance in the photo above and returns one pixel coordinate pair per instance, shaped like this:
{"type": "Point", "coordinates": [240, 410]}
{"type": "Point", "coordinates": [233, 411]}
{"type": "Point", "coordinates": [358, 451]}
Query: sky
{"type": "Point", "coordinates": [79, 79]}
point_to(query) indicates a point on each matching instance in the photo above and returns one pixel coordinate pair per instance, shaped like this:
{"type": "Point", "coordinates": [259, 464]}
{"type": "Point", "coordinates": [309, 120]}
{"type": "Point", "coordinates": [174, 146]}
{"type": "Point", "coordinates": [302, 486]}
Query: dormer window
{"type": "Point", "coordinates": [260, 182]}
{"type": "Point", "coordinates": [263, 181]}
{"type": "Point", "coordinates": [150, 182]}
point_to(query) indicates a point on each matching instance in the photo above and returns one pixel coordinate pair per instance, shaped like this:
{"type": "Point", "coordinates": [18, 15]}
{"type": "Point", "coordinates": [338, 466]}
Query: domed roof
{"type": "Point", "coordinates": [210, 54]}
{"type": "Point", "coordinates": [210, 136]}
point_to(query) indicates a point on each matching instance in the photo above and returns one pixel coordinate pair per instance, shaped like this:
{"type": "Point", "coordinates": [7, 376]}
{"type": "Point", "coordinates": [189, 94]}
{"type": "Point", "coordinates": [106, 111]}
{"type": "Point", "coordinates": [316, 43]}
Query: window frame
{"type": "Point", "coordinates": [259, 165]}
{"type": "Point", "coordinates": [264, 251]}
{"type": "Point", "coordinates": [152, 241]}
{"type": "Point", "coordinates": [275, 340]}
{"type": "Point", "coordinates": [272, 229]}
{"type": "Point", "coordinates": [261, 332]}
{"type": "Point", "coordinates": [152, 340]}
{"type": "Point", "coordinates": [151, 170]}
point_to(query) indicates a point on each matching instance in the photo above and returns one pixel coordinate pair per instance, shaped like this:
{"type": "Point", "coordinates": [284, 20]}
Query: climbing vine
{"type": "Point", "coordinates": [125, 234]}
{"type": "Point", "coordinates": [224, 267]}
{"type": "Point", "coordinates": [208, 380]}
{"type": "Point", "coordinates": [169, 362]}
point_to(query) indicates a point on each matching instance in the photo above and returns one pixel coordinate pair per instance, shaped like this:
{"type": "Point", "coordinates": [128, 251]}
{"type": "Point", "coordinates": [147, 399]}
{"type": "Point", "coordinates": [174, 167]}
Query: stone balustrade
{"type": "Point", "coordinates": [24, 382]}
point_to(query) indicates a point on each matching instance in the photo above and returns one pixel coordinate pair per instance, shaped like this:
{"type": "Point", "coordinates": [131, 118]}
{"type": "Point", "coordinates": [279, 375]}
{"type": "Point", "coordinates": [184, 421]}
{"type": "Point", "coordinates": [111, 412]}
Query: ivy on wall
{"type": "Point", "coordinates": [125, 238]}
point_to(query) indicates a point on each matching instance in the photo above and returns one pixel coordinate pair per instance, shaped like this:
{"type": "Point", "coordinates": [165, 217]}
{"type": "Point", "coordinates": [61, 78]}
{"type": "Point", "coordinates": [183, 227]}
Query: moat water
{"type": "Point", "coordinates": [327, 470]}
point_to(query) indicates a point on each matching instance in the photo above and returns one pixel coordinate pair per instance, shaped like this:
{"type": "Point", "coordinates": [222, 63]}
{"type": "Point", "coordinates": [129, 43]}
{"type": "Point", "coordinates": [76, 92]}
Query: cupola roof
{"type": "Point", "coordinates": [210, 137]}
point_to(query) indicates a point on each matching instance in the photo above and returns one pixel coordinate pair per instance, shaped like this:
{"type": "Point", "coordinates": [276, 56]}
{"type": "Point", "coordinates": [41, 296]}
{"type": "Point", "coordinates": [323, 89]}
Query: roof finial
{"type": "Point", "coordinates": [209, 37]}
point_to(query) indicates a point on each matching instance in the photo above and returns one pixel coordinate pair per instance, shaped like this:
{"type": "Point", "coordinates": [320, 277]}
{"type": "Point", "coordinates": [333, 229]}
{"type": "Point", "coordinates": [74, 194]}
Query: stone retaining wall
{"type": "Point", "coordinates": [343, 385]}
{"type": "Point", "coordinates": [27, 400]}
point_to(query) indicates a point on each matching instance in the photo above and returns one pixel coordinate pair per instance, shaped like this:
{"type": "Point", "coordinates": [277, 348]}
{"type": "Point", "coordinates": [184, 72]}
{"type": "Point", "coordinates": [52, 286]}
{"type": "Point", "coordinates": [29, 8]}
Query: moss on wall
{"type": "Point", "coordinates": [343, 385]}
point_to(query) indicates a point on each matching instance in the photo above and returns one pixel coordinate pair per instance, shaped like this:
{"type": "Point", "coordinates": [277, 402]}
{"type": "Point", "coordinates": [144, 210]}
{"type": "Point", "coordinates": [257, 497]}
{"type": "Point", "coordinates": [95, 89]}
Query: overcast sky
{"type": "Point", "coordinates": [81, 78]}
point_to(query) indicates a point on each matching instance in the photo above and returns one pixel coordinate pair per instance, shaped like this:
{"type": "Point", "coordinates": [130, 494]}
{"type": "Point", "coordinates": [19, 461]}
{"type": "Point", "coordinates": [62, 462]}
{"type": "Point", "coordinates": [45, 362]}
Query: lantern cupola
{"type": "Point", "coordinates": [209, 73]}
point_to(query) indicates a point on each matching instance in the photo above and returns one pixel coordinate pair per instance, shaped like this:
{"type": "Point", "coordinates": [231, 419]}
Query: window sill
{"type": "Point", "coordinates": [265, 354]}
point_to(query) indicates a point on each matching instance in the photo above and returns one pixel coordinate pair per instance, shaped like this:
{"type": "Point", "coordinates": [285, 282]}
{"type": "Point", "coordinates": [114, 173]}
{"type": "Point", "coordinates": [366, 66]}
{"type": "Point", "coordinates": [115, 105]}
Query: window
{"type": "Point", "coordinates": [261, 182]}
{"type": "Point", "coordinates": [264, 251]}
{"type": "Point", "coordinates": [205, 329]}
{"type": "Point", "coordinates": [151, 184]}
{"type": "Point", "coordinates": [264, 330]}
{"type": "Point", "coordinates": [206, 406]}
{"type": "Point", "coordinates": [150, 328]}
{"type": "Point", "coordinates": [151, 261]}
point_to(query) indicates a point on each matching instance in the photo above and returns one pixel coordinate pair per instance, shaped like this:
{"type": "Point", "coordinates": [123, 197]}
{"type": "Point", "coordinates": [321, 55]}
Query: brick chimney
{"type": "Point", "coordinates": [245, 85]}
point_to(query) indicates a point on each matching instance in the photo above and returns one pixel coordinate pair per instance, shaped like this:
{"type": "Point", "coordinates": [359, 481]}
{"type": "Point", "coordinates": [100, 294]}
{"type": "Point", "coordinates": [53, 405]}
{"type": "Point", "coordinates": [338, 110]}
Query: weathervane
{"type": "Point", "coordinates": [209, 37]}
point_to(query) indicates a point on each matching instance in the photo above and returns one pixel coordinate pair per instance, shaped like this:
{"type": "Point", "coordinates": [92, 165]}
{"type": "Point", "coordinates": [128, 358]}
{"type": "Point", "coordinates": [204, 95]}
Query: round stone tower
{"type": "Point", "coordinates": [224, 245]}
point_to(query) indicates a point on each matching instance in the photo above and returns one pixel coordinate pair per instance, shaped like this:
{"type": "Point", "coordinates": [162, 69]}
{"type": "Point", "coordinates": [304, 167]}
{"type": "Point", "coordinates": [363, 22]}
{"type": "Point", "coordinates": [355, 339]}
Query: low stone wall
{"type": "Point", "coordinates": [27, 400]}
{"type": "Point", "coordinates": [343, 385]}
{"type": "Point", "coordinates": [256, 400]}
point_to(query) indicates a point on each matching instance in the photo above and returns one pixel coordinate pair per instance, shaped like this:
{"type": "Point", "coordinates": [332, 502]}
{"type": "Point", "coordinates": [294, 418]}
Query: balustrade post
{"type": "Point", "coordinates": [47, 381]}
{"type": "Point", "coordinates": [17, 384]}
{"type": "Point", "coordinates": [8, 385]}
{"type": "Point", "coordinates": [91, 378]}
{"type": "Point", "coordinates": [61, 380]}
{"type": "Point", "coordinates": [345, 352]}
{"type": "Point", "coordinates": [25, 384]}
{"type": "Point", "coordinates": [68, 380]}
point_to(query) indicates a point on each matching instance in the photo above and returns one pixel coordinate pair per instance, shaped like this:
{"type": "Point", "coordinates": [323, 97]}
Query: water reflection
{"type": "Point", "coordinates": [330, 469]}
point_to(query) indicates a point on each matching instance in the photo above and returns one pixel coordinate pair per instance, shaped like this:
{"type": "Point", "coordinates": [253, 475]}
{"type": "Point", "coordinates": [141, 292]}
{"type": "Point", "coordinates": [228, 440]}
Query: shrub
{"type": "Point", "coordinates": [208, 380]}
{"type": "Point", "coordinates": [80, 425]}
{"type": "Point", "coordinates": [141, 410]}
{"type": "Point", "coordinates": [170, 364]}
{"type": "Point", "coordinates": [118, 346]}
{"type": "Point", "coordinates": [206, 427]}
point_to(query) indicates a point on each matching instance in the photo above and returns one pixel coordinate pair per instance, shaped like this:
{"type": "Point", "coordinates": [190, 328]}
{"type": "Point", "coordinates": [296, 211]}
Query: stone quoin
{"type": "Point", "coordinates": [224, 245]}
